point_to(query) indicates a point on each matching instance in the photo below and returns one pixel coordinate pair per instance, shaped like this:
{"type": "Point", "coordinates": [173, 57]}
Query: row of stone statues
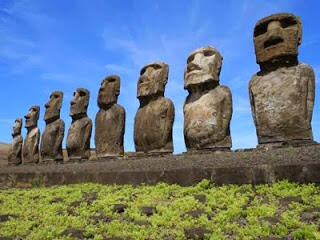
{"type": "Point", "coordinates": [281, 97]}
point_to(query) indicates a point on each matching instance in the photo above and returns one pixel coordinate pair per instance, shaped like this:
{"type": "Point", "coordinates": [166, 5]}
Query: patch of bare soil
{"type": "Point", "coordinates": [75, 233]}
{"type": "Point", "coordinates": [195, 233]}
{"type": "Point", "coordinates": [6, 217]}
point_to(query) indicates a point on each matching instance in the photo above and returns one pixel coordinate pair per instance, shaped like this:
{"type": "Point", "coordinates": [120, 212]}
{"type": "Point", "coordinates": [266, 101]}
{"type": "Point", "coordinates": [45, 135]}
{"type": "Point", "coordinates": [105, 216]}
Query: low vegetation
{"type": "Point", "coordinates": [91, 211]}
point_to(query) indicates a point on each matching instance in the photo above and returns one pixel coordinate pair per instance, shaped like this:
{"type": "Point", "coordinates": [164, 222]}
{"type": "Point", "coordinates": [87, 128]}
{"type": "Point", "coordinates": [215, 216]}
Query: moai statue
{"type": "Point", "coordinates": [15, 150]}
{"type": "Point", "coordinates": [30, 149]}
{"type": "Point", "coordinates": [208, 107]}
{"type": "Point", "coordinates": [110, 120]}
{"type": "Point", "coordinates": [78, 140]}
{"type": "Point", "coordinates": [155, 116]}
{"type": "Point", "coordinates": [51, 141]}
{"type": "Point", "coordinates": [282, 93]}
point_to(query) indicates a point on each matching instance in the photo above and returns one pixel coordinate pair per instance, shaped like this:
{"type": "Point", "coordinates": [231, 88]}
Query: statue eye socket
{"type": "Point", "coordinates": [260, 29]}
{"type": "Point", "coordinates": [82, 94]}
{"type": "Point", "coordinates": [156, 67]}
{"type": "Point", "coordinates": [190, 58]}
{"type": "Point", "coordinates": [112, 80]}
{"type": "Point", "coordinates": [208, 53]}
{"type": "Point", "coordinates": [143, 71]}
{"type": "Point", "coordinates": [287, 22]}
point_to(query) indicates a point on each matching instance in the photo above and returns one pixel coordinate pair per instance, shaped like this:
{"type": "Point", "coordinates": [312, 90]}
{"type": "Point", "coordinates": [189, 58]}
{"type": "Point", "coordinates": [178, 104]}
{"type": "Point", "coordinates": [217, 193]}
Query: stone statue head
{"type": "Point", "coordinates": [109, 91]}
{"type": "Point", "coordinates": [275, 36]}
{"type": "Point", "coordinates": [80, 102]}
{"type": "Point", "coordinates": [203, 65]}
{"type": "Point", "coordinates": [16, 130]}
{"type": "Point", "coordinates": [153, 79]}
{"type": "Point", "coordinates": [32, 117]}
{"type": "Point", "coordinates": [53, 106]}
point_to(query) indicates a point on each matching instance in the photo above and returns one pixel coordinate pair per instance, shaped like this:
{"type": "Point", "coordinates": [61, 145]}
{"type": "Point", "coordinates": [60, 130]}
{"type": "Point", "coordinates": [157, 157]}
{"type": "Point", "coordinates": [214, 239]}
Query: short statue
{"type": "Point", "coordinates": [155, 116]}
{"type": "Point", "coordinates": [78, 140]}
{"type": "Point", "coordinates": [282, 93]}
{"type": "Point", "coordinates": [208, 107]}
{"type": "Point", "coordinates": [110, 120]}
{"type": "Point", "coordinates": [51, 141]}
{"type": "Point", "coordinates": [15, 150]}
{"type": "Point", "coordinates": [30, 149]}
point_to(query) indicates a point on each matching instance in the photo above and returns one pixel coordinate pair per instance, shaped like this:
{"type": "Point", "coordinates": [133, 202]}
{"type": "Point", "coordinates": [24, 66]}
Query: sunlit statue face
{"type": "Point", "coordinates": [16, 130]}
{"type": "Point", "coordinates": [203, 65]}
{"type": "Point", "coordinates": [153, 79]}
{"type": "Point", "coordinates": [80, 102]}
{"type": "Point", "coordinates": [32, 117]}
{"type": "Point", "coordinates": [109, 91]}
{"type": "Point", "coordinates": [276, 36]}
{"type": "Point", "coordinates": [53, 106]}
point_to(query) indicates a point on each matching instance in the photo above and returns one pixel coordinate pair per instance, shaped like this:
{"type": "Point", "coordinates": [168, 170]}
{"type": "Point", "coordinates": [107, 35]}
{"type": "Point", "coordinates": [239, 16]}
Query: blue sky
{"type": "Point", "coordinates": [62, 45]}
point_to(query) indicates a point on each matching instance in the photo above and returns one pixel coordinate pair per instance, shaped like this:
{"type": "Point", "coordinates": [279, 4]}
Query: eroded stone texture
{"type": "Point", "coordinates": [79, 134]}
{"type": "Point", "coordinates": [110, 120]}
{"type": "Point", "coordinates": [15, 150]}
{"type": "Point", "coordinates": [208, 107]}
{"type": "Point", "coordinates": [31, 143]}
{"type": "Point", "coordinates": [155, 116]}
{"type": "Point", "coordinates": [282, 93]}
{"type": "Point", "coordinates": [52, 137]}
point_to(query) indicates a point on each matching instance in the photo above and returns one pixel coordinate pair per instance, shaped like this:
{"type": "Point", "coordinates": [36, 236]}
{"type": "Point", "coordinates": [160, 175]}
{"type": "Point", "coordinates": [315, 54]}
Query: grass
{"type": "Point", "coordinates": [203, 211]}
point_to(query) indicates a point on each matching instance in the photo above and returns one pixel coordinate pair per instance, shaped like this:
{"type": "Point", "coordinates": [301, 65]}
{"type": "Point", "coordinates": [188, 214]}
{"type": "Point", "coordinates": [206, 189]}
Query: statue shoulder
{"type": "Point", "coordinates": [224, 91]}
{"type": "Point", "coordinates": [167, 102]}
{"type": "Point", "coordinates": [255, 77]}
{"type": "Point", "coordinates": [305, 68]}
{"type": "Point", "coordinates": [120, 109]}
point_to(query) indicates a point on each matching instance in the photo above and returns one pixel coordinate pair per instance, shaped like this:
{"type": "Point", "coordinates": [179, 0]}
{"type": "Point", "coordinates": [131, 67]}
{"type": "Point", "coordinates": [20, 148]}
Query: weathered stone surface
{"type": "Point", "coordinates": [31, 143]}
{"type": "Point", "coordinates": [301, 164]}
{"type": "Point", "coordinates": [15, 150]}
{"type": "Point", "coordinates": [79, 134]}
{"type": "Point", "coordinates": [208, 107]}
{"type": "Point", "coordinates": [282, 93]}
{"type": "Point", "coordinates": [52, 137]}
{"type": "Point", "coordinates": [110, 120]}
{"type": "Point", "coordinates": [155, 116]}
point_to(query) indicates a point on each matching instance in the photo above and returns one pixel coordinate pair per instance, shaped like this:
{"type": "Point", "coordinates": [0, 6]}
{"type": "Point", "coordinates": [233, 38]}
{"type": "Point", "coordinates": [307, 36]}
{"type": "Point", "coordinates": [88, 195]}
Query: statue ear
{"type": "Point", "coordinates": [165, 73]}
{"type": "Point", "coordinates": [299, 30]}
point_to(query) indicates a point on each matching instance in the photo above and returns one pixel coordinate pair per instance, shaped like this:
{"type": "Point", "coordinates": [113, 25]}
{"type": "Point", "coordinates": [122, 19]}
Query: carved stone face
{"type": "Point", "coordinates": [276, 36]}
{"type": "Point", "coordinates": [32, 117]}
{"type": "Point", "coordinates": [153, 79]}
{"type": "Point", "coordinates": [203, 65]}
{"type": "Point", "coordinates": [17, 127]}
{"type": "Point", "coordinates": [53, 106]}
{"type": "Point", "coordinates": [109, 91]}
{"type": "Point", "coordinates": [80, 102]}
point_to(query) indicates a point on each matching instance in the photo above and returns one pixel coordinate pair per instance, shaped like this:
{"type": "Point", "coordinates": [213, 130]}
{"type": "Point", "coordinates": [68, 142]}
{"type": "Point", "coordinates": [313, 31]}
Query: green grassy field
{"type": "Point", "coordinates": [203, 211]}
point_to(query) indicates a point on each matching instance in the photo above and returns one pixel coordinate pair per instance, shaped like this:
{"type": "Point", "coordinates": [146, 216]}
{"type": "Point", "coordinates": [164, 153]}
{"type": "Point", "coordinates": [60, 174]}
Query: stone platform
{"type": "Point", "coordinates": [301, 164]}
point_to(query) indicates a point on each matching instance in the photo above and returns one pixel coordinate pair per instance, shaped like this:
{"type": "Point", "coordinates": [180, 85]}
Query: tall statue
{"type": "Point", "coordinates": [15, 150]}
{"type": "Point", "coordinates": [282, 93]}
{"type": "Point", "coordinates": [78, 140]}
{"type": "Point", "coordinates": [155, 116]}
{"type": "Point", "coordinates": [208, 107]}
{"type": "Point", "coordinates": [31, 143]}
{"type": "Point", "coordinates": [51, 142]}
{"type": "Point", "coordinates": [110, 120]}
